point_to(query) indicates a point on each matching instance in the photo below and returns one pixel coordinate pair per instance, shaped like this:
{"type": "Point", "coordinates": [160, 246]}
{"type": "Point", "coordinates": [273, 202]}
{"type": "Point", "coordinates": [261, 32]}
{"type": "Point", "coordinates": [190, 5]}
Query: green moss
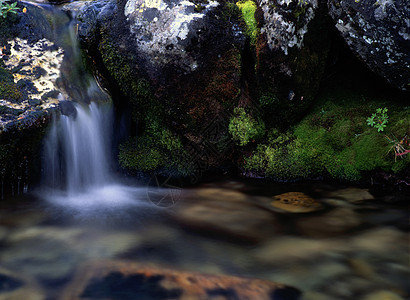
{"type": "Point", "coordinates": [244, 128]}
{"type": "Point", "coordinates": [248, 8]}
{"type": "Point", "coordinates": [8, 89]}
{"type": "Point", "coordinates": [334, 140]}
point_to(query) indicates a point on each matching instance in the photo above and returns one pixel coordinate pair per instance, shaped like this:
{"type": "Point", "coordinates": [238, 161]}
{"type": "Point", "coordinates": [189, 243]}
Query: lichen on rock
{"type": "Point", "coordinates": [286, 22]}
{"type": "Point", "coordinates": [163, 29]}
{"type": "Point", "coordinates": [378, 33]}
{"type": "Point", "coordinates": [35, 68]}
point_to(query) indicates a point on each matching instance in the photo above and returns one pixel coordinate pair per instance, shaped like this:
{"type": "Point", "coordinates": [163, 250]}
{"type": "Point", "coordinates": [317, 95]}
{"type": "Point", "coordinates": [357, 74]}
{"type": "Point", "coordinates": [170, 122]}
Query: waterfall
{"type": "Point", "coordinates": [77, 149]}
{"type": "Point", "coordinates": [76, 155]}
{"type": "Point", "coordinates": [76, 163]}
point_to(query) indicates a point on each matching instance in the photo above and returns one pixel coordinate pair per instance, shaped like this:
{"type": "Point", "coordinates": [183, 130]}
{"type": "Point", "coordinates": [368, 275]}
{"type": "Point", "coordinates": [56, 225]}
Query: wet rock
{"type": "Point", "coordinates": [30, 67]}
{"type": "Point", "coordinates": [128, 280]}
{"type": "Point", "coordinates": [221, 216]}
{"type": "Point", "coordinates": [67, 108]}
{"type": "Point", "coordinates": [15, 286]}
{"type": "Point", "coordinates": [296, 202]}
{"type": "Point", "coordinates": [33, 60]}
{"type": "Point", "coordinates": [337, 221]}
{"type": "Point", "coordinates": [382, 295]}
{"type": "Point", "coordinates": [377, 33]}
{"type": "Point", "coordinates": [352, 195]}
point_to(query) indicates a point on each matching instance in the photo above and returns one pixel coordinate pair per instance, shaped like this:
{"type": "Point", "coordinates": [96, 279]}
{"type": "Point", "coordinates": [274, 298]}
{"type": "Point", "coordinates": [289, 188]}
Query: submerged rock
{"type": "Point", "coordinates": [228, 216]}
{"type": "Point", "coordinates": [338, 221]}
{"type": "Point", "coordinates": [130, 280]}
{"type": "Point", "coordinates": [17, 286]}
{"type": "Point", "coordinates": [377, 32]}
{"type": "Point", "coordinates": [296, 202]}
{"type": "Point", "coordinates": [382, 295]}
{"type": "Point", "coordinates": [351, 195]}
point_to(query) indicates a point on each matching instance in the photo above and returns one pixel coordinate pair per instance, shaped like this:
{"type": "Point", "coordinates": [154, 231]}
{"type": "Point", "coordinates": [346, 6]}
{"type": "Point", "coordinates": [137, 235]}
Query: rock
{"type": "Point", "coordinates": [49, 261]}
{"type": "Point", "coordinates": [352, 195]}
{"type": "Point", "coordinates": [295, 250]}
{"type": "Point", "coordinates": [302, 274]}
{"type": "Point", "coordinates": [17, 286]}
{"type": "Point", "coordinates": [291, 52]}
{"type": "Point", "coordinates": [378, 34]}
{"type": "Point", "coordinates": [130, 280]}
{"type": "Point", "coordinates": [219, 216]}
{"type": "Point", "coordinates": [30, 64]}
{"type": "Point", "coordinates": [164, 56]}
{"type": "Point", "coordinates": [382, 295]}
{"type": "Point", "coordinates": [335, 222]}
{"type": "Point", "coordinates": [217, 194]}
{"type": "Point", "coordinates": [31, 60]}
{"type": "Point", "coordinates": [296, 202]}
{"type": "Point", "coordinates": [383, 240]}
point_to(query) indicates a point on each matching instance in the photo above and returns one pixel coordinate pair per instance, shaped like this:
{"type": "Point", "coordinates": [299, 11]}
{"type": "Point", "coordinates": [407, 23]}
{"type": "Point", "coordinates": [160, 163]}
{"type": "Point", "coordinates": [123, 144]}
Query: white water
{"type": "Point", "coordinates": [77, 163]}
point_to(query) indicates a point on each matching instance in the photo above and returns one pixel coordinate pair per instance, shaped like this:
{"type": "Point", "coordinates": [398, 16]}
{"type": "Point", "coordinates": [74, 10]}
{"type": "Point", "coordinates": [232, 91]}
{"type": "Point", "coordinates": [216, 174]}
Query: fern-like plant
{"type": "Point", "coordinates": [379, 119]}
{"type": "Point", "coordinates": [6, 7]}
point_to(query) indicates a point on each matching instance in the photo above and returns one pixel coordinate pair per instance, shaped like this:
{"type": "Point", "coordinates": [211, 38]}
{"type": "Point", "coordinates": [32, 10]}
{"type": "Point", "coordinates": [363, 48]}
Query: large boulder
{"type": "Point", "coordinates": [179, 64]}
{"type": "Point", "coordinates": [291, 54]}
{"type": "Point", "coordinates": [185, 66]}
{"type": "Point", "coordinates": [30, 62]}
{"type": "Point", "coordinates": [377, 32]}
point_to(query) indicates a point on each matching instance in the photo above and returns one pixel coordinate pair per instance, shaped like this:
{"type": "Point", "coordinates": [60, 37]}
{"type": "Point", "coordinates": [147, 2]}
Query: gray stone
{"type": "Point", "coordinates": [378, 33]}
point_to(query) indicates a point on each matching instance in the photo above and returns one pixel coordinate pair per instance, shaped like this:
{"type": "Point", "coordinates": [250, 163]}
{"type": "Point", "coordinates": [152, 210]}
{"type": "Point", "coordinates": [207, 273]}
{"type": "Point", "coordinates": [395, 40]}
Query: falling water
{"type": "Point", "coordinates": [76, 165]}
{"type": "Point", "coordinates": [77, 149]}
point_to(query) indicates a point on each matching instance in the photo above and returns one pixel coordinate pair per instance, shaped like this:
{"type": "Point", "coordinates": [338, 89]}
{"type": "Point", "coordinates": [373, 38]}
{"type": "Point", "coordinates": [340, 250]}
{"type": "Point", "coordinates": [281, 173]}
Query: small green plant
{"type": "Point", "coordinates": [379, 119]}
{"type": "Point", "coordinates": [244, 128]}
{"type": "Point", "coordinates": [6, 7]}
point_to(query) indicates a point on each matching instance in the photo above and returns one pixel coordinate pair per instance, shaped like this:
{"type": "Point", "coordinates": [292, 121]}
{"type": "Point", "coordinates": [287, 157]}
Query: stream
{"type": "Point", "coordinates": [344, 251]}
{"type": "Point", "coordinates": [328, 240]}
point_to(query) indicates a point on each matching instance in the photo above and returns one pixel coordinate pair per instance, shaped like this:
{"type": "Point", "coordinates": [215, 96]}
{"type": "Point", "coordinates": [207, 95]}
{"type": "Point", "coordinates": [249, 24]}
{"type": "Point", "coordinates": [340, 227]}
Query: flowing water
{"type": "Point", "coordinates": [353, 246]}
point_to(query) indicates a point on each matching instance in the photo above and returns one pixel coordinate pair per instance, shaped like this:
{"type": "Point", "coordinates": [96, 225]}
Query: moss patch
{"type": "Point", "coordinates": [8, 89]}
{"type": "Point", "coordinates": [334, 140]}
{"type": "Point", "coordinates": [248, 9]}
{"type": "Point", "coordinates": [244, 128]}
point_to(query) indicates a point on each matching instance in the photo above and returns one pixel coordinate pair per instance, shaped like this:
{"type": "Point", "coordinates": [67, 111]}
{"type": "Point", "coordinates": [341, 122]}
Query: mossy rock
{"type": "Point", "coordinates": [289, 67]}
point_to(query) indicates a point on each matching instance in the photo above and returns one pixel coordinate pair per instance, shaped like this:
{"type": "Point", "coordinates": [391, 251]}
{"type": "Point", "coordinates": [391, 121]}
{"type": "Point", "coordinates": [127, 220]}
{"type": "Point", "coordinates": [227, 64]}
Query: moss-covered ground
{"type": "Point", "coordinates": [334, 140]}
